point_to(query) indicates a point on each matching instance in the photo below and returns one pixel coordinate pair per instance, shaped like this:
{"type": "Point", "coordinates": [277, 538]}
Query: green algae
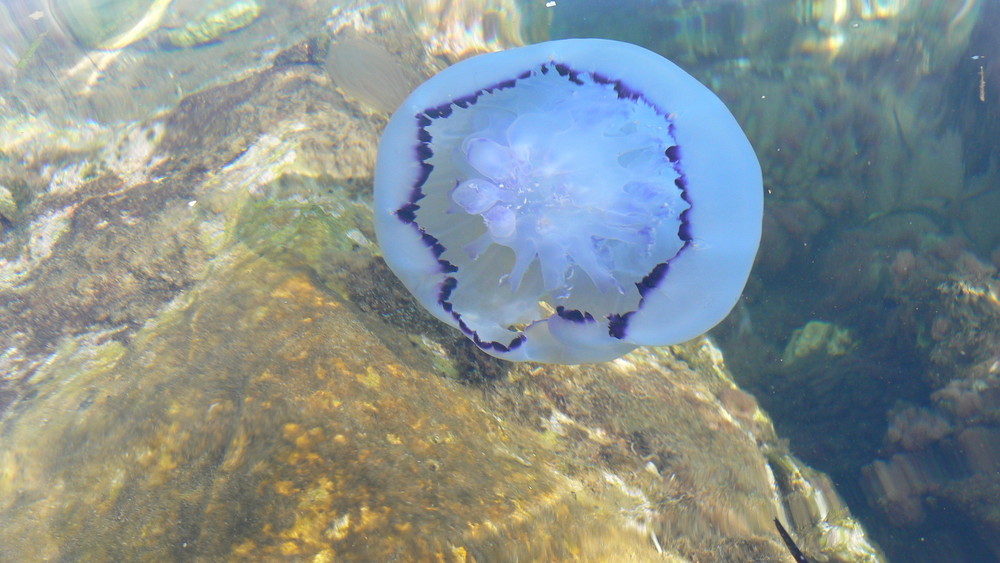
{"type": "Point", "coordinates": [8, 206]}
{"type": "Point", "coordinates": [318, 232]}
{"type": "Point", "coordinates": [818, 338]}
{"type": "Point", "coordinates": [215, 24]}
{"type": "Point", "coordinates": [29, 54]}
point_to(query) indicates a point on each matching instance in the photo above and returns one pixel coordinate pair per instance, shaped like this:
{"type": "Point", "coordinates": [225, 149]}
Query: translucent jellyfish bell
{"type": "Point", "coordinates": [568, 201]}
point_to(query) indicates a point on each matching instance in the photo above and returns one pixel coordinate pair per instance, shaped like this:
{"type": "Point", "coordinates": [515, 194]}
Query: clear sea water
{"type": "Point", "coordinates": [203, 356]}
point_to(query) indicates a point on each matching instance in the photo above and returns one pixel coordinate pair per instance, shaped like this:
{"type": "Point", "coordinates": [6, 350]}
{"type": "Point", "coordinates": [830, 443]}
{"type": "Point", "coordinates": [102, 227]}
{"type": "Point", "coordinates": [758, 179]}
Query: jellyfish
{"type": "Point", "coordinates": [568, 201]}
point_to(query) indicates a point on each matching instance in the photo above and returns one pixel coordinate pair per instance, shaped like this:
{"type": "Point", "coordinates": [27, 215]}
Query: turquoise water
{"type": "Point", "coordinates": [204, 356]}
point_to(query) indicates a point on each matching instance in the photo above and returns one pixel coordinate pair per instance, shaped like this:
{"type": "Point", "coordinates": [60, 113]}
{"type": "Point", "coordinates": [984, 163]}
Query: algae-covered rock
{"type": "Point", "coordinates": [261, 416]}
{"type": "Point", "coordinates": [817, 338]}
{"type": "Point", "coordinates": [230, 372]}
{"type": "Point", "coordinates": [8, 207]}
{"type": "Point", "coordinates": [213, 25]}
{"type": "Point", "coordinates": [948, 453]}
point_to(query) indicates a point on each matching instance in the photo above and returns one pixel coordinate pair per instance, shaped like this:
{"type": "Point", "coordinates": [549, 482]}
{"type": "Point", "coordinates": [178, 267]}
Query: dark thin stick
{"type": "Point", "coordinates": [792, 548]}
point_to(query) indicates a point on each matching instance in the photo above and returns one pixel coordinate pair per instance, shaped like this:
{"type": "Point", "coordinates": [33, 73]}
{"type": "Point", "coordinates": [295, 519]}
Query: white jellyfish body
{"type": "Point", "coordinates": [568, 201]}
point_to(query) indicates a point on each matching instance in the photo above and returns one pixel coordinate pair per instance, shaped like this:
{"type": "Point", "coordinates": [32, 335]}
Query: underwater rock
{"type": "Point", "coordinates": [64, 82]}
{"type": "Point", "coordinates": [903, 485]}
{"type": "Point", "coordinates": [274, 440]}
{"type": "Point", "coordinates": [214, 25]}
{"type": "Point", "coordinates": [810, 496]}
{"type": "Point", "coordinates": [817, 339]}
{"type": "Point", "coordinates": [458, 30]}
{"type": "Point", "coordinates": [290, 400]}
{"type": "Point", "coordinates": [965, 327]}
{"type": "Point", "coordinates": [123, 219]}
{"type": "Point", "coordinates": [970, 399]}
{"type": "Point", "coordinates": [982, 449]}
{"type": "Point", "coordinates": [864, 31]}
{"type": "Point", "coordinates": [949, 454]}
{"type": "Point", "coordinates": [897, 486]}
{"type": "Point", "coordinates": [913, 428]}
{"type": "Point", "coordinates": [8, 207]}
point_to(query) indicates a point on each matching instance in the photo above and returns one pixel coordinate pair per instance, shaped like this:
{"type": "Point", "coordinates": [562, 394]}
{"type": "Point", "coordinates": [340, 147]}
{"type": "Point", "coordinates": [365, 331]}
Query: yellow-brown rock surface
{"type": "Point", "coordinates": [263, 417]}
